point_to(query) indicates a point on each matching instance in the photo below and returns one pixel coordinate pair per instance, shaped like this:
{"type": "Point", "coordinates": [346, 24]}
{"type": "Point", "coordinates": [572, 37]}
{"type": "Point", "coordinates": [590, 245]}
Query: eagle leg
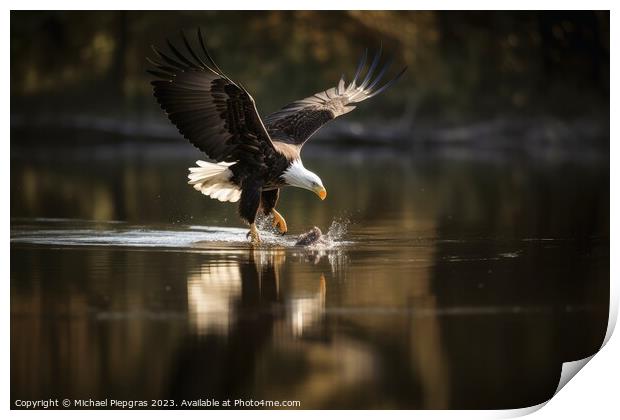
{"type": "Point", "coordinates": [248, 206]}
{"type": "Point", "coordinates": [268, 200]}
{"type": "Point", "coordinates": [279, 222]}
{"type": "Point", "coordinates": [253, 233]}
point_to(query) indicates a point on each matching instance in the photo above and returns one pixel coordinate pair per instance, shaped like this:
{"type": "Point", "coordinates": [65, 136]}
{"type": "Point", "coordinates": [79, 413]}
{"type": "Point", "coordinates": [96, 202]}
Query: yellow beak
{"type": "Point", "coordinates": [321, 192]}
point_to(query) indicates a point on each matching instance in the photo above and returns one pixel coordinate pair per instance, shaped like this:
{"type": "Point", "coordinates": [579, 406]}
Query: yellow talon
{"type": "Point", "coordinates": [279, 222]}
{"type": "Point", "coordinates": [255, 237]}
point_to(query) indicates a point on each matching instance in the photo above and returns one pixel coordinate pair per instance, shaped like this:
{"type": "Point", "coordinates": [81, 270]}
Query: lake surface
{"type": "Point", "coordinates": [445, 282]}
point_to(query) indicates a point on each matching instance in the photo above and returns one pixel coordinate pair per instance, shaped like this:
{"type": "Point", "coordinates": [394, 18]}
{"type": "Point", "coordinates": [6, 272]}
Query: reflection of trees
{"type": "Point", "coordinates": [116, 189]}
{"type": "Point", "coordinates": [394, 315]}
{"type": "Point", "coordinates": [84, 324]}
{"type": "Point", "coordinates": [529, 237]}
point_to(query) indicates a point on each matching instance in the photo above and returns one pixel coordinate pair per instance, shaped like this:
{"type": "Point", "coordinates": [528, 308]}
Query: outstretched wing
{"type": "Point", "coordinates": [297, 121]}
{"type": "Point", "coordinates": [214, 113]}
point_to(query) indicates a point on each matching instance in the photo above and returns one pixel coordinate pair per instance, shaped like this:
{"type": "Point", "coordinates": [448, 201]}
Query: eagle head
{"type": "Point", "coordinates": [297, 175]}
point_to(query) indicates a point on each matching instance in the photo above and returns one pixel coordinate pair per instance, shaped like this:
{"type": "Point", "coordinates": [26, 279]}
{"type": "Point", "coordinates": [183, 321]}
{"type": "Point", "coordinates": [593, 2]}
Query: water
{"type": "Point", "coordinates": [444, 283]}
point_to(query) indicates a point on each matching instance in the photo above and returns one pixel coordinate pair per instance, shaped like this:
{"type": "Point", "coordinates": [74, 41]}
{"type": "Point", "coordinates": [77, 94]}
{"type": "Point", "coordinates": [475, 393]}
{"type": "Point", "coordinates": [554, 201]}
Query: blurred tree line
{"type": "Point", "coordinates": [462, 65]}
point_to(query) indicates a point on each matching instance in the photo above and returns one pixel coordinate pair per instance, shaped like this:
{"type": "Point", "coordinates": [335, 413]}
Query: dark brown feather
{"type": "Point", "coordinates": [210, 110]}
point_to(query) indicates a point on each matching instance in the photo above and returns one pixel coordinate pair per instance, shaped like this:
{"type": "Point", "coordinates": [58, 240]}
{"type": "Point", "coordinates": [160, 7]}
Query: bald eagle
{"type": "Point", "coordinates": [249, 158]}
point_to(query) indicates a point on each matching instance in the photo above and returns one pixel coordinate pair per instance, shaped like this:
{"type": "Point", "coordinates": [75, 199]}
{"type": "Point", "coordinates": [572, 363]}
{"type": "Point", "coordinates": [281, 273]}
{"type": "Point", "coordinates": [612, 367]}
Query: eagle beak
{"type": "Point", "coordinates": [321, 192]}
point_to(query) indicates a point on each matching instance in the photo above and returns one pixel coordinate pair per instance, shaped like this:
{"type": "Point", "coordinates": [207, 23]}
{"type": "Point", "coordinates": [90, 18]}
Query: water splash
{"type": "Point", "coordinates": [337, 230]}
{"type": "Point", "coordinates": [90, 233]}
{"type": "Point", "coordinates": [333, 238]}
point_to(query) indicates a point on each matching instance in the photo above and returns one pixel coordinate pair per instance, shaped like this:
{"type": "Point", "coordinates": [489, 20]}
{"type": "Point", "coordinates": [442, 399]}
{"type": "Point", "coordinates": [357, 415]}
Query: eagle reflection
{"type": "Point", "coordinates": [222, 296]}
{"type": "Point", "coordinates": [211, 294]}
{"type": "Point", "coordinates": [237, 309]}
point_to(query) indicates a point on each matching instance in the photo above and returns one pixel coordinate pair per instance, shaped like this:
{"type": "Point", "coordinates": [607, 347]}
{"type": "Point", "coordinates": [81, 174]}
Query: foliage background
{"type": "Point", "coordinates": [463, 67]}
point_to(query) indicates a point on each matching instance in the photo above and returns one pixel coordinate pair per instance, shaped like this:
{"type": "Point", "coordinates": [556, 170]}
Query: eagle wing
{"type": "Point", "coordinates": [298, 121]}
{"type": "Point", "coordinates": [214, 113]}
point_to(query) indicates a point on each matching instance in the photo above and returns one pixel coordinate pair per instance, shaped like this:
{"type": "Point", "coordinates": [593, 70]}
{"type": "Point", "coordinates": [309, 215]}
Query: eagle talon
{"type": "Point", "coordinates": [253, 233]}
{"type": "Point", "coordinates": [279, 222]}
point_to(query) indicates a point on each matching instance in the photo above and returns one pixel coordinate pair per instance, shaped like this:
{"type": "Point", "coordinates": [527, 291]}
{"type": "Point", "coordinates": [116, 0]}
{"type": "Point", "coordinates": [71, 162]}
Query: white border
{"type": "Point", "coordinates": [310, 5]}
{"type": "Point", "coordinates": [592, 394]}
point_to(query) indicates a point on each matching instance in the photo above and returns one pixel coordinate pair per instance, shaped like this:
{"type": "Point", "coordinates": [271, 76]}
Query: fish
{"type": "Point", "coordinates": [311, 237]}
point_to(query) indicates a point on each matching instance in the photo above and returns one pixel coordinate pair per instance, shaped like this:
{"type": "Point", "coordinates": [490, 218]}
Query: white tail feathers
{"type": "Point", "coordinates": [213, 179]}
